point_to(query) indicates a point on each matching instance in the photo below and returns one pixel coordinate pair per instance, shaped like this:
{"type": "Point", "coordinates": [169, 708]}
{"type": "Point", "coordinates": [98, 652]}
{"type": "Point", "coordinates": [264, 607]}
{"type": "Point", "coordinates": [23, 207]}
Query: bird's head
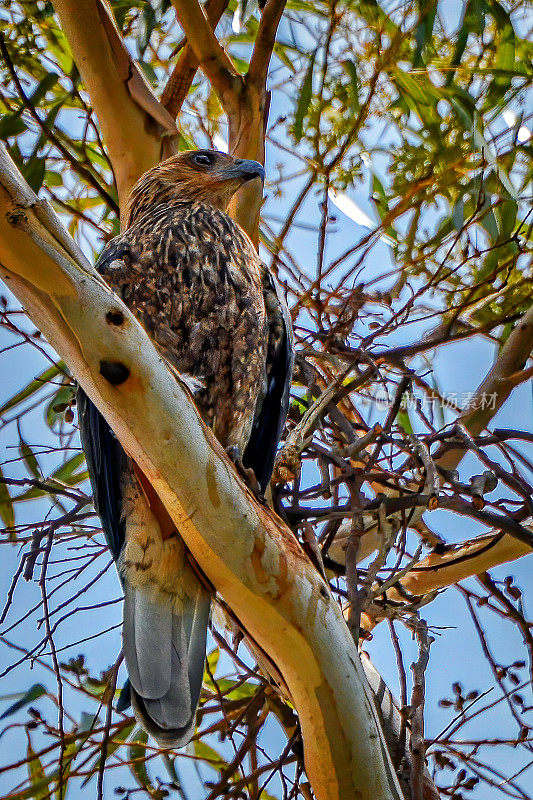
{"type": "Point", "coordinates": [205, 176]}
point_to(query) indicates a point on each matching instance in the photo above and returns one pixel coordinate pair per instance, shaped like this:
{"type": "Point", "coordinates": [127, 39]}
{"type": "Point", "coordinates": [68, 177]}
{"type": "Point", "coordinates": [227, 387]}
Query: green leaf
{"type": "Point", "coordinates": [246, 8]}
{"type": "Point", "coordinates": [40, 787]}
{"type": "Point", "coordinates": [489, 155]}
{"type": "Point", "coordinates": [212, 661]}
{"type": "Point", "coordinates": [461, 38]}
{"type": "Point", "coordinates": [33, 170]}
{"type": "Point", "coordinates": [505, 54]}
{"type": "Point", "coordinates": [29, 458]}
{"type": "Point", "coordinates": [11, 125]}
{"type": "Point", "coordinates": [419, 94]}
{"type": "Point", "coordinates": [209, 755]}
{"type": "Point", "coordinates": [458, 214]}
{"type": "Point", "coordinates": [424, 29]}
{"type": "Point", "coordinates": [351, 71]}
{"type": "Point", "coordinates": [285, 53]}
{"type": "Point", "coordinates": [146, 24]}
{"type": "Point", "coordinates": [136, 754]}
{"type": "Point", "coordinates": [71, 751]}
{"type": "Point", "coordinates": [36, 691]}
{"type": "Point", "coordinates": [7, 512]}
{"type": "Point", "coordinates": [58, 46]}
{"type": "Point", "coordinates": [506, 214]}
{"type": "Point", "coordinates": [49, 80]}
{"type": "Point", "coordinates": [34, 386]}
{"type": "Point", "coordinates": [462, 112]}
{"type": "Point", "coordinates": [487, 219]}
{"type": "Point", "coordinates": [149, 72]}
{"type": "Point", "coordinates": [234, 690]}
{"type": "Point", "coordinates": [65, 474]}
{"type": "Point", "coordinates": [418, 86]}
{"type": "Point", "coordinates": [304, 100]}
{"type": "Point", "coordinates": [87, 721]}
{"type": "Point", "coordinates": [379, 196]}
{"type": "Point", "coordinates": [50, 122]}
{"type": "Point", "coordinates": [404, 422]}
{"type": "Point", "coordinates": [52, 178]}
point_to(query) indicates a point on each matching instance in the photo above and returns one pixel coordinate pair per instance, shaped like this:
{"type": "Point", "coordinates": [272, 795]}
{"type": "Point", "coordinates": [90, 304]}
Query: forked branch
{"type": "Point", "coordinates": [212, 58]}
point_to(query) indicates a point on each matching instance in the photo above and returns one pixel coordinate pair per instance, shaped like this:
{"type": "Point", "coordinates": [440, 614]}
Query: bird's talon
{"type": "Point", "coordinates": [234, 454]}
{"type": "Point", "coordinates": [246, 473]}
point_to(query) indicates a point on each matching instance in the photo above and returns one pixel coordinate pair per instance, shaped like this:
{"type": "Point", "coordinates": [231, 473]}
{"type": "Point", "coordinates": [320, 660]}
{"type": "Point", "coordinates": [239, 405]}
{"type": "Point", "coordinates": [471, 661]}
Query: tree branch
{"type": "Point", "coordinates": [498, 383]}
{"type": "Point", "coordinates": [212, 58]}
{"type": "Point", "coordinates": [264, 42]}
{"type": "Point", "coordinates": [132, 120]}
{"type": "Point", "coordinates": [180, 81]}
{"type": "Point", "coordinates": [249, 555]}
{"type": "Point", "coordinates": [418, 744]}
{"type": "Point", "coordinates": [439, 569]}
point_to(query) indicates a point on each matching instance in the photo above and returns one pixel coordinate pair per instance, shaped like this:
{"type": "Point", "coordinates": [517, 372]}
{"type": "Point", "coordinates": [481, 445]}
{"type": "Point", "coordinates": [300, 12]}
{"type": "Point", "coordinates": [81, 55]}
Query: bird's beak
{"type": "Point", "coordinates": [246, 170]}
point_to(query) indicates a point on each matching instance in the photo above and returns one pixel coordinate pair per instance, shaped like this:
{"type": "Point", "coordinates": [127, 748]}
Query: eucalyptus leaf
{"type": "Point", "coordinates": [304, 100]}
{"type": "Point", "coordinates": [34, 386]}
{"type": "Point", "coordinates": [36, 691]}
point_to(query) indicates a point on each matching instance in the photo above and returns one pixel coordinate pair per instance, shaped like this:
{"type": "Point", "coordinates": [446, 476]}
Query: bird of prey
{"type": "Point", "coordinates": [193, 279]}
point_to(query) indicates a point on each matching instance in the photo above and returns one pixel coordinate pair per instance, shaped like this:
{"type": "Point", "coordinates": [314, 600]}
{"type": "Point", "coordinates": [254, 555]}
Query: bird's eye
{"type": "Point", "coordinates": [203, 159]}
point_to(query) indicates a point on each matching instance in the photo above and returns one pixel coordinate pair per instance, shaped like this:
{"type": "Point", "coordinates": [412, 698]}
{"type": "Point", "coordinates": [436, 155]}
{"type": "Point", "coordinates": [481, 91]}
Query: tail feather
{"type": "Point", "coordinates": [164, 648]}
{"type": "Point", "coordinates": [147, 641]}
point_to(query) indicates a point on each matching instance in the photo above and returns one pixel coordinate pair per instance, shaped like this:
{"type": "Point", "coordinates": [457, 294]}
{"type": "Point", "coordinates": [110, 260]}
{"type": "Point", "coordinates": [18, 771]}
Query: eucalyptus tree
{"type": "Point", "coordinates": [397, 145]}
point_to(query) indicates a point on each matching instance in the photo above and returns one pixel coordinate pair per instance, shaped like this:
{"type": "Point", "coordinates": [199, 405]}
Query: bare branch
{"type": "Point", "coordinates": [212, 58]}
{"type": "Point", "coordinates": [418, 744]}
{"type": "Point", "coordinates": [498, 383]}
{"type": "Point", "coordinates": [180, 81]}
{"type": "Point", "coordinates": [264, 42]}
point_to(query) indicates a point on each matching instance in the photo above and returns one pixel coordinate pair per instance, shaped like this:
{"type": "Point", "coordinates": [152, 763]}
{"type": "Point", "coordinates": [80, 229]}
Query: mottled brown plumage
{"type": "Point", "coordinates": [193, 279]}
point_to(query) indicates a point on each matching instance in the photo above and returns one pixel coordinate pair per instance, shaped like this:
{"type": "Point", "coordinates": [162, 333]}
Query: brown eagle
{"type": "Point", "coordinates": [193, 279]}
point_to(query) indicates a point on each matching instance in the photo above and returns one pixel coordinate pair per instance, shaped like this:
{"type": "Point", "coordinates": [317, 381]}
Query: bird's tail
{"type": "Point", "coordinates": [164, 646]}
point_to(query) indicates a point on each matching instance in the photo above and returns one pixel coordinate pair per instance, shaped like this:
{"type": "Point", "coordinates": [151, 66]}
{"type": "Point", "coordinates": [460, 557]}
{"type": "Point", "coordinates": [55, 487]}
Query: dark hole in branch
{"type": "Point", "coordinates": [114, 372]}
{"type": "Point", "coordinates": [115, 317]}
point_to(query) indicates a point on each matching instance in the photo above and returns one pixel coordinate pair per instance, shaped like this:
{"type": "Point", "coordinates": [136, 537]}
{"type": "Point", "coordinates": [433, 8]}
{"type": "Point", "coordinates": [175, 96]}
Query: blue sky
{"type": "Point", "coordinates": [456, 653]}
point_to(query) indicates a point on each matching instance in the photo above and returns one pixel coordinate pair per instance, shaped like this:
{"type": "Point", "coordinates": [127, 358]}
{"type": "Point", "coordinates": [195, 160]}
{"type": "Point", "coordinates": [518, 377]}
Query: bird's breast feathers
{"type": "Point", "coordinates": [195, 282]}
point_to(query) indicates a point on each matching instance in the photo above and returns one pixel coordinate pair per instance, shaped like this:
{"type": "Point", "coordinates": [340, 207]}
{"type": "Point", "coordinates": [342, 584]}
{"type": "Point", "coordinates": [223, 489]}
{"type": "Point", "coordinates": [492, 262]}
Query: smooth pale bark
{"type": "Point", "coordinates": [496, 387]}
{"type": "Point", "coordinates": [132, 120]}
{"type": "Point", "coordinates": [439, 570]}
{"type": "Point", "coordinates": [246, 127]}
{"type": "Point", "coordinates": [246, 551]}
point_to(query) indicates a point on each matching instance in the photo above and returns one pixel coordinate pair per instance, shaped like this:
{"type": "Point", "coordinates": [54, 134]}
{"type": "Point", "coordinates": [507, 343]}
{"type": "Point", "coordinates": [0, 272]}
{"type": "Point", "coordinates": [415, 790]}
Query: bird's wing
{"type": "Point", "coordinates": [268, 424]}
{"type": "Point", "coordinates": [106, 461]}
